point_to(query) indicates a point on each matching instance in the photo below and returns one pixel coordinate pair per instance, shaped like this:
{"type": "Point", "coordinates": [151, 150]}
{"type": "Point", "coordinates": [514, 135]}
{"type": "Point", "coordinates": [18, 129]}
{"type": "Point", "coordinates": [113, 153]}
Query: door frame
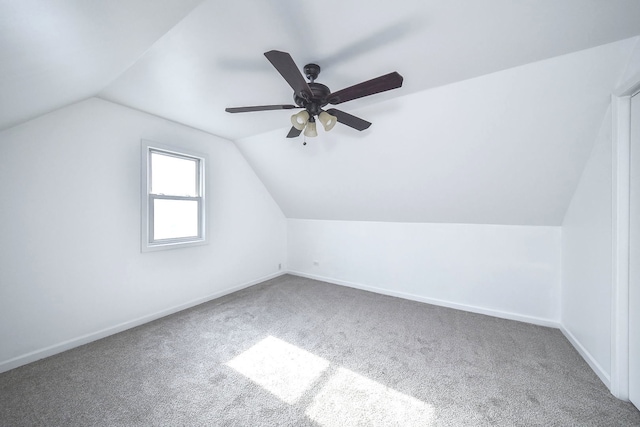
{"type": "Point", "coordinates": [621, 149]}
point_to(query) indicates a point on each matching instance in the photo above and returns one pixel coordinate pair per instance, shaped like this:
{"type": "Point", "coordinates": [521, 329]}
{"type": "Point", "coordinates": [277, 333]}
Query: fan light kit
{"type": "Point", "coordinates": [302, 119]}
{"type": "Point", "coordinates": [312, 97]}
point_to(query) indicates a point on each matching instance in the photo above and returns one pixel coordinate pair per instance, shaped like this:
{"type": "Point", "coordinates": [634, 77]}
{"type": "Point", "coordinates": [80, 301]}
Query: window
{"type": "Point", "coordinates": [173, 197]}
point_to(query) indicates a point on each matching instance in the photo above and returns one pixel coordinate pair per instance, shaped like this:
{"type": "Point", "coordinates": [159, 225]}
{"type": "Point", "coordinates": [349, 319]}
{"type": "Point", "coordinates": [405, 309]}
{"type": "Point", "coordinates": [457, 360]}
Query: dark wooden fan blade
{"type": "Point", "coordinates": [283, 62]}
{"type": "Point", "coordinates": [259, 108]}
{"type": "Point", "coordinates": [370, 87]}
{"type": "Point", "coordinates": [349, 120]}
{"type": "Point", "coordinates": [293, 132]}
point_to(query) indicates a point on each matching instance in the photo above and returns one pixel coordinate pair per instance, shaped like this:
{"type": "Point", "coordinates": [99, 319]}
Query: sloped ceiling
{"type": "Point", "coordinates": [505, 148]}
{"type": "Point", "coordinates": [474, 135]}
{"type": "Point", "coordinates": [56, 52]}
{"type": "Point", "coordinates": [214, 58]}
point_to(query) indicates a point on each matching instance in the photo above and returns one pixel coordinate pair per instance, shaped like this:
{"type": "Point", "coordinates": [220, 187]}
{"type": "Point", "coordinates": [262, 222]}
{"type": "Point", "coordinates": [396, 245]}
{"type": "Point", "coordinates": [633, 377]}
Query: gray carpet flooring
{"type": "Point", "coordinates": [298, 352]}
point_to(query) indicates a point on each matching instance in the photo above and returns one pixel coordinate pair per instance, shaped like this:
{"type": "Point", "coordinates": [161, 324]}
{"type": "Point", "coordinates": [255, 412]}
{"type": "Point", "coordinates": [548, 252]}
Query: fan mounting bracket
{"type": "Point", "coordinates": [312, 71]}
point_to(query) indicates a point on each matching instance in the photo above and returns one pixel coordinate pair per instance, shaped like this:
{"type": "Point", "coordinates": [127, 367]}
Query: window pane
{"type": "Point", "coordinates": [174, 219]}
{"type": "Point", "coordinates": [173, 176]}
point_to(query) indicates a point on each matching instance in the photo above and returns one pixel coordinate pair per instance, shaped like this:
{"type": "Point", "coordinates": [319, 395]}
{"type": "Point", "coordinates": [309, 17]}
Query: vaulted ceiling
{"type": "Point", "coordinates": [501, 102]}
{"type": "Point", "coordinates": [57, 52]}
{"type": "Point", "coordinates": [505, 148]}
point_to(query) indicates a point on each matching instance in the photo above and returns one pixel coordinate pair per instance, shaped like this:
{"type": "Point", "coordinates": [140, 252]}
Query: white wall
{"type": "Point", "coordinates": [632, 69]}
{"type": "Point", "coordinates": [71, 269]}
{"type": "Point", "coordinates": [506, 271]}
{"type": "Point", "coordinates": [586, 259]}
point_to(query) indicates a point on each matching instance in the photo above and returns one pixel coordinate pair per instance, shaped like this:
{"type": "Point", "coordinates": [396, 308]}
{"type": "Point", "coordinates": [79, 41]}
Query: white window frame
{"type": "Point", "coordinates": [148, 243]}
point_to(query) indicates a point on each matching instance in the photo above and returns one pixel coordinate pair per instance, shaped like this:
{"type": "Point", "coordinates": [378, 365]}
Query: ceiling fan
{"type": "Point", "coordinates": [312, 97]}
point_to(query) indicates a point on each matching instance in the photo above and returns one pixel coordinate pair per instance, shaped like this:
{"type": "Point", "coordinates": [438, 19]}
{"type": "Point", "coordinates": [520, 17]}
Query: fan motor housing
{"type": "Point", "coordinates": [319, 95]}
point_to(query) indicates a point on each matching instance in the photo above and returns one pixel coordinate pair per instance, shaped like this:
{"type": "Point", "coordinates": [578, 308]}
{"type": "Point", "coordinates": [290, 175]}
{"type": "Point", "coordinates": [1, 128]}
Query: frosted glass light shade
{"type": "Point", "coordinates": [328, 121]}
{"type": "Point", "coordinates": [300, 119]}
{"type": "Point", "coordinates": [310, 130]}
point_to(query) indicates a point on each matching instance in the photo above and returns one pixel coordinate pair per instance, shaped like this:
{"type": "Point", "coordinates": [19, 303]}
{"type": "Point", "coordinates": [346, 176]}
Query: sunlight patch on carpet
{"type": "Point", "coordinates": [279, 367]}
{"type": "Point", "coordinates": [351, 399]}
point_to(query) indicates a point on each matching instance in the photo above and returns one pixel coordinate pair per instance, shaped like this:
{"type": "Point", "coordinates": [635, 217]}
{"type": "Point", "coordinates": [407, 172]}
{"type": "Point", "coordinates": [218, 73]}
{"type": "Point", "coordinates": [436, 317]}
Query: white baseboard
{"type": "Point", "coordinates": [87, 338]}
{"type": "Point", "coordinates": [470, 308]}
{"type": "Point", "coordinates": [595, 366]}
{"type": "Point", "coordinates": [93, 336]}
